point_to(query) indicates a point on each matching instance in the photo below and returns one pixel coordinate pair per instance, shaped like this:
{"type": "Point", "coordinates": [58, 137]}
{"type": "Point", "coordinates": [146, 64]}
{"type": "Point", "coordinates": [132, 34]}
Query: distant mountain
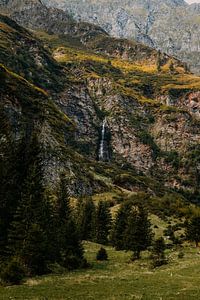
{"type": "Point", "coordinates": [170, 25]}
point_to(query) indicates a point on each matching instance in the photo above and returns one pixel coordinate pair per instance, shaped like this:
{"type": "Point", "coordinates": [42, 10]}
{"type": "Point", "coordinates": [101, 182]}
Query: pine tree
{"type": "Point", "coordinates": [86, 212]}
{"type": "Point", "coordinates": [29, 237]}
{"type": "Point", "coordinates": [102, 223]}
{"type": "Point", "coordinates": [70, 246]}
{"type": "Point", "coordinates": [193, 230]}
{"type": "Point", "coordinates": [119, 225]}
{"type": "Point", "coordinates": [138, 233]}
{"type": "Point", "coordinates": [158, 253]}
{"type": "Point", "coordinates": [102, 254]}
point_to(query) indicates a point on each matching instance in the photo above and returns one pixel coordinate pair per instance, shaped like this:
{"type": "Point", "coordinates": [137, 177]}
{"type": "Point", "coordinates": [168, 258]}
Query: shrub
{"type": "Point", "coordinates": [13, 272]}
{"type": "Point", "coordinates": [158, 262]}
{"type": "Point", "coordinates": [71, 261]}
{"type": "Point", "coordinates": [181, 254]}
{"type": "Point", "coordinates": [102, 254]}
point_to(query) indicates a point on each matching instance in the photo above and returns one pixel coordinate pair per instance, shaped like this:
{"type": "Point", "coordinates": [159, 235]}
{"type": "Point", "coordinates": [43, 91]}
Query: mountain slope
{"type": "Point", "coordinates": [172, 26]}
{"type": "Point", "coordinates": [37, 16]}
{"type": "Point", "coordinates": [152, 116]}
{"type": "Point", "coordinates": [27, 109]}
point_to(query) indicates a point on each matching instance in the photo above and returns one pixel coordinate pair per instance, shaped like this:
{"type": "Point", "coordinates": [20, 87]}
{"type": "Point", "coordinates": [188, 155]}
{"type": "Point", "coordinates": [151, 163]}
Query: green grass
{"type": "Point", "coordinates": [117, 279]}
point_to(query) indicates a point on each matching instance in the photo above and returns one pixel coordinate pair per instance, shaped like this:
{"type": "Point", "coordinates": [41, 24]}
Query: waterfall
{"type": "Point", "coordinates": [103, 149]}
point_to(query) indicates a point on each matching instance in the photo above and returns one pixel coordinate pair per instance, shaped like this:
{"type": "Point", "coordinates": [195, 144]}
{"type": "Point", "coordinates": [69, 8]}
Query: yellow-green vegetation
{"type": "Point", "coordinates": [109, 196]}
{"type": "Point", "coordinates": [19, 80]}
{"type": "Point", "coordinates": [117, 278]}
{"type": "Point", "coordinates": [26, 56]}
{"type": "Point", "coordinates": [33, 101]}
{"type": "Point", "coordinates": [55, 41]}
{"type": "Point", "coordinates": [68, 55]}
{"type": "Point", "coordinates": [158, 225]}
{"type": "Point", "coordinates": [138, 78]}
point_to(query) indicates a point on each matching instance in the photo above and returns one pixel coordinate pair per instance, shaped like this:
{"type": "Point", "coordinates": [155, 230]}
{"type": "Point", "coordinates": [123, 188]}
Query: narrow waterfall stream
{"type": "Point", "coordinates": [103, 149]}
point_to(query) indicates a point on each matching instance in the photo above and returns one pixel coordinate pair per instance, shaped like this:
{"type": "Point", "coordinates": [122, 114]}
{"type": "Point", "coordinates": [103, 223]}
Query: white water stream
{"type": "Point", "coordinates": [102, 150]}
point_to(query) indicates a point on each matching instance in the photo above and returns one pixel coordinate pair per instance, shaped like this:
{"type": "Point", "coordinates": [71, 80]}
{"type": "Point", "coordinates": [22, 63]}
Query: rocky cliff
{"type": "Point", "coordinates": [169, 25]}
{"type": "Point", "coordinates": [81, 77]}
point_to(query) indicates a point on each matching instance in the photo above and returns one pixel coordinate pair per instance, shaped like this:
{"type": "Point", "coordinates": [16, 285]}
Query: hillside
{"type": "Point", "coordinates": [172, 26]}
{"type": "Point", "coordinates": [146, 111]}
{"type": "Point", "coordinates": [99, 148]}
{"type": "Point", "coordinates": [152, 117]}
{"type": "Point", "coordinates": [27, 108]}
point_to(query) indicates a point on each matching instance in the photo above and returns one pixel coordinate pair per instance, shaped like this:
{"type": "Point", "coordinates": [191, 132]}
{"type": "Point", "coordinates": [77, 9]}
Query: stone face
{"type": "Point", "coordinates": [36, 16]}
{"type": "Point", "coordinates": [172, 26]}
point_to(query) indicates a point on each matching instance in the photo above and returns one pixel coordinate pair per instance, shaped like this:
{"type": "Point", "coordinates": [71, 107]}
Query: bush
{"type": "Point", "coordinates": [72, 262]}
{"type": "Point", "coordinates": [102, 254]}
{"type": "Point", "coordinates": [158, 262]}
{"type": "Point", "coordinates": [181, 254]}
{"type": "Point", "coordinates": [13, 272]}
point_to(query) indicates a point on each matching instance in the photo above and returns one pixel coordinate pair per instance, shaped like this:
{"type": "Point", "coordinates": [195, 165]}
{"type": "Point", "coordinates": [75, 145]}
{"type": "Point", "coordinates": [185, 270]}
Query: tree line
{"type": "Point", "coordinates": [36, 233]}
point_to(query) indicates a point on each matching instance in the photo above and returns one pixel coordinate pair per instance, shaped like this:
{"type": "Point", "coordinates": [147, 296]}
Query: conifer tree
{"type": "Point", "coordinates": [103, 223]}
{"type": "Point", "coordinates": [102, 254]}
{"type": "Point", "coordinates": [193, 230]}
{"type": "Point", "coordinates": [29, 237]}
{"type": "Point", "coordinates": [138, 233]}
{"type": "Point", "coordinates": [119, 225]}
{"type": "Point", "coordinates": [70, 246]}
{"type": "Point", "coordinates": [86, 212]}
{"type": "Point", "coordinates": [158, 253]}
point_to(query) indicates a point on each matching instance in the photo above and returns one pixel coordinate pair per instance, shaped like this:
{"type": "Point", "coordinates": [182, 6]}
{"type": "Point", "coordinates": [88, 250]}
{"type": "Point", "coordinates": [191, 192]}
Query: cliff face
{"type": "Point", "coordinates": [27, 109]}
{"type": "Point", "coordinates": [34, 14]}
{"type": "Point", "coordinates": [83, 79]}
{"type": "Point", "coordinates": [172, 26]}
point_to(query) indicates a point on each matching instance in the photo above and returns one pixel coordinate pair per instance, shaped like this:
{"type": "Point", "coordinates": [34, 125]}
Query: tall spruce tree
{"type": "Point", "coordinates": [86, 212]}
{"type": "Point", "coordinates": [70, 251]}
{"type": "Point", "coordinates": [103, 223]}
{"type": "Point", "coordinates": [29, 236]}
{"type": "Point", "coordinates": [119, 225]}
{"type": "Point", "coordinates": [138, 233]}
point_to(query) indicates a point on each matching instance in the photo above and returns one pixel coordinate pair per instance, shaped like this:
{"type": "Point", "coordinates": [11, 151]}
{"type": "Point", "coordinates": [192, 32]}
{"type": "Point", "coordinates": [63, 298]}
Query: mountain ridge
{"type": "Point", "coordinates": [171, 26]}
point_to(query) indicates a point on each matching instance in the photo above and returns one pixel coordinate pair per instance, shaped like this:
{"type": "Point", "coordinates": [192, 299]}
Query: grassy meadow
{"type": "Point", "coordinates": [117, 279]}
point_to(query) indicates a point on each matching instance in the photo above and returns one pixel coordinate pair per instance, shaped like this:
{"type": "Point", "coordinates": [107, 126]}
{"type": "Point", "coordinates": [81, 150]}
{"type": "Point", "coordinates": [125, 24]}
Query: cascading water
{"type": "Point", "coordinates": [103, 149]}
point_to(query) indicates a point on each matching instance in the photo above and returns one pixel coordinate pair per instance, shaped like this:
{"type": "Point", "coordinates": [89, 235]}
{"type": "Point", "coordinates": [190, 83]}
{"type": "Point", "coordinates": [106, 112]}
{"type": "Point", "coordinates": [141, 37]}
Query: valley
{"type": "Point", "coordinates": [99, 147]}
{"type": "Point", "coordinates": [116, 279]}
